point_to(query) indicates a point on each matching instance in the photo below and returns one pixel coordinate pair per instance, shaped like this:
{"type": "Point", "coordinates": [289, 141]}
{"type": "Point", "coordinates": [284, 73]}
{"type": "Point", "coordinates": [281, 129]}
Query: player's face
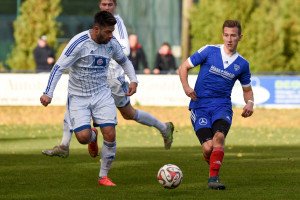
{"type": "Point", "coordinates": [231, 38]}
{"type": "Point", "coordinates": [107, 5]}
{"type": "Point", "coordinates": [104, 34]}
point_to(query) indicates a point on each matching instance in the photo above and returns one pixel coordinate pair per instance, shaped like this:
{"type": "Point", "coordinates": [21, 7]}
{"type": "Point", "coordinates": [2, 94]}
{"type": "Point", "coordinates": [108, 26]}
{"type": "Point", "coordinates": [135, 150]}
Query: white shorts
{"type": "Point", "coordinates": [100, 108]}
{"type": "Point", "coordinates": [119, 88]}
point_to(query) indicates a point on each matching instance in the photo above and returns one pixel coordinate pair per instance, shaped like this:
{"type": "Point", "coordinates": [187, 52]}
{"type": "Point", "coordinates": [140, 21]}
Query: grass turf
{"type": "Point", "coordinates": [261, 162]}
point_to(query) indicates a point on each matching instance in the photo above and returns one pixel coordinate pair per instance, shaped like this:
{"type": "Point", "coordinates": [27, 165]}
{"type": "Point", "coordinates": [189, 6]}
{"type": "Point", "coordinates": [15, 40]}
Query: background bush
{"type": "Point", "coordinates": [271, 29]}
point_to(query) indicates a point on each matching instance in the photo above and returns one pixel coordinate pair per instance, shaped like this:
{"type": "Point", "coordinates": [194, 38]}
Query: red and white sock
{"type": "Point", "coordinates": [216, 159]}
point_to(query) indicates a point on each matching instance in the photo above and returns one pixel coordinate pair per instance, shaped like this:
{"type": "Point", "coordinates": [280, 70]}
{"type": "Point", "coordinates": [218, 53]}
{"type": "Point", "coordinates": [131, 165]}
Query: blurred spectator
{"type": "Point", "coordinates": [137, 55]}
{"type": "Point", "coordinates": [165, 61]}
{"type": "Point", "coordinates": [43, 55]}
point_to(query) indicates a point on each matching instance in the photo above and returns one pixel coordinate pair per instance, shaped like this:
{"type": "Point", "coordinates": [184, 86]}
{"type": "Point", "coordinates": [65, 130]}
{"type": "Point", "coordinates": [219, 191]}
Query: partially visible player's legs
{"type": "Point", "coordinates": [213, 154]}
{"type": "Point", "coordinates": [205, 136]}
{"type": "Point", "coordinates": [166, 129]}
{"type": "Point", "coordinates": [62, 150]}
{"type": "Point", "coordinates": [119, 87]}
{"type": "Point", "coordinates": [220, 128]}
{"type": "Point", "coordinates": [216, 159]}
{"type": "Point", "coordinates": [104, 115]}
{"type": "Point", "coordinates": [108, 153]}
{"type": "Point", "coordinates": [211, 135]}
{"type": "Point", "coordinates": [67, 131]}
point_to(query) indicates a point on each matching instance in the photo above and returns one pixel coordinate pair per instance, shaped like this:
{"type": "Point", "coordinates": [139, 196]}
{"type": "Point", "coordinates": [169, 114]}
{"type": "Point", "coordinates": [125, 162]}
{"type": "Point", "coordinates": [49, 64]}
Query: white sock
{"type": "Point", "coordinates": [108, 153]}
{"type": "Point", "coordinates": [149, 120]}
{"type": "Point", "coordinates": [67, 134]}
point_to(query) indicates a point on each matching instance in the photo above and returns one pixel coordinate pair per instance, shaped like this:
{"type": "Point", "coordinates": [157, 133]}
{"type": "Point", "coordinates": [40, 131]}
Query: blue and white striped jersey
{"type": "Point", "coordinates": [88, 63]}
{"type": "Point", "coordinates": [217, 75]}
{"type": "Point", "coordinates": [120, 33]}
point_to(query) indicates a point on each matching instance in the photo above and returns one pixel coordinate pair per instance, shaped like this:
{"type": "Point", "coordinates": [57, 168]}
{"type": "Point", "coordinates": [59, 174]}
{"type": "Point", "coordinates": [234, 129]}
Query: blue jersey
{"type": "Point", "coordinates": [217, 75]}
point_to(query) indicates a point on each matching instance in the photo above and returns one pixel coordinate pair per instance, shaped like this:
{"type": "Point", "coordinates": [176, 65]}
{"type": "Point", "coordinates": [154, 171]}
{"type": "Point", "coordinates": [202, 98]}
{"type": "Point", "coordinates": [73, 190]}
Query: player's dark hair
{"type": "Point", "coordinates": [232, 24]}
{"type": "Point", "coordinates": [104, 18]}
{"type": "Point", "coordinates": [115, 1]}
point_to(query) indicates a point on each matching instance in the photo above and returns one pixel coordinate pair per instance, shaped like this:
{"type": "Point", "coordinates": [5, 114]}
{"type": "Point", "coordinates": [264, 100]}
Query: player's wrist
{"type": "Point", "coordinates": [250, 101]}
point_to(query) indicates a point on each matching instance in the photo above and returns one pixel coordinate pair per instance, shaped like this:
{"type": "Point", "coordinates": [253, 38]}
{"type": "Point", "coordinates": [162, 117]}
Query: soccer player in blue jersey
{"type": "Point", "coordinates": [87, 57]}
{"type": "Point", "coordinates": [210, 105]}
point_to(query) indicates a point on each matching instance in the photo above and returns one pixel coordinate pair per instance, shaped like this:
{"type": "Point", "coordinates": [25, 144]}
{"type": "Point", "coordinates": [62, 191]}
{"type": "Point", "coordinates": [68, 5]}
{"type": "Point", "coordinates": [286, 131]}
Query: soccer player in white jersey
{"type": "Point", "coordinates": [210, 105]}
{"type": "Point", "coordinates": [118, 86]}
{"type": "Point", "coordinates": [87, 57]}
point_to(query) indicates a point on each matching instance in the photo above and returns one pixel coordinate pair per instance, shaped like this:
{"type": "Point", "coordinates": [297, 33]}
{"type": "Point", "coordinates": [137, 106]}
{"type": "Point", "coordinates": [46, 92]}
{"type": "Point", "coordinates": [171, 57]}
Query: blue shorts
{"type": "Point", "coordinates": [204, 117]}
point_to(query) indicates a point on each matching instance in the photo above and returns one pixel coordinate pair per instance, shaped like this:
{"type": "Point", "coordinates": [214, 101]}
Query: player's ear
{"type": "Point", "coordinates": [96, 28]}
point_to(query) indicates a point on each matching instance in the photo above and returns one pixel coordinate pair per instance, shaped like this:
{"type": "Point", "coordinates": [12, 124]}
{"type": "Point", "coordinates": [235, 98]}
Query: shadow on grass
{"type": "Point", "coordinates": [265, 171]}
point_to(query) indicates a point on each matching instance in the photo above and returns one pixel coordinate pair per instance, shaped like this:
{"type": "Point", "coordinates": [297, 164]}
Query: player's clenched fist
{"type": "Point", "coordinates": [131, 88]}
{"type": "Point", "coordinates": [45, 100]}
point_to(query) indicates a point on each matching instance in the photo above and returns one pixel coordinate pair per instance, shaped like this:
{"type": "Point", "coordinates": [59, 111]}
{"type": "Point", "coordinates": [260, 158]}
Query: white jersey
{"type": "Point", "coordinates": [120, 33]}
{"type": "Point", "coordinates": [88, 63]}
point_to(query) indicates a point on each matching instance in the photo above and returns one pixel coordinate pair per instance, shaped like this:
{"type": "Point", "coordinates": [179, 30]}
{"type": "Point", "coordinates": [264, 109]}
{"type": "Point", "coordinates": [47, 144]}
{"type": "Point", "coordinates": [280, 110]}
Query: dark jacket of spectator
{"type": "Point", "coordinates": [43, 56]}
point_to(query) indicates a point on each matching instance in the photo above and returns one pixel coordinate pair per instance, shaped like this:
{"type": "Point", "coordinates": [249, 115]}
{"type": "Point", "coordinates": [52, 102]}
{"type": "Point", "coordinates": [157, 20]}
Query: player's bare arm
{"type": "Point", "coordinates": [183, 74]}
{"type": "Point", "coordinates": [45, 100]}
{"type": "Point", "coordinates": [249, 100]}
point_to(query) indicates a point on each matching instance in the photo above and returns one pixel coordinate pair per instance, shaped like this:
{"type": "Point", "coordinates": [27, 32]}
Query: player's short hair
{"type": "Point", "coordinates": [231, 24]}
{"type": "Point", "coordinates": [104, 18]}
{"type": "Point", "coordinates": [115, 1]}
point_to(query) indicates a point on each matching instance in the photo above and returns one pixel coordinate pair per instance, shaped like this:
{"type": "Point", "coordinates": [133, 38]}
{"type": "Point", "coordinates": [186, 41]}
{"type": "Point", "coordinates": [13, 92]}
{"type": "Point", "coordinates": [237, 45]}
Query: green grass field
{"type": "Point", "coordinates": [262, 158]}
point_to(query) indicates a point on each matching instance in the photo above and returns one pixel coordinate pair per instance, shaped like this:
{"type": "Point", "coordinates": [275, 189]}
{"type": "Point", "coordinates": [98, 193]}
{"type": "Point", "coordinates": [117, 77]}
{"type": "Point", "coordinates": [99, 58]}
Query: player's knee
{"type": "Point", "coordinates": [207, 148]}
{"type": "Point", "coordinates": [83, 137]}
{"type": "Point", "coordinates": [109, 133]}
{"type": "Point", "coordinates": [219, 139]}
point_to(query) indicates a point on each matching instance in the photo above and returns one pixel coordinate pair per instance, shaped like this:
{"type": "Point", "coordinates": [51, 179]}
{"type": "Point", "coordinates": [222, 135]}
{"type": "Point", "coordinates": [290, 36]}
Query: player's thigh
{"type": "Point", "coordinates": [200, 118]}
{"type": "Point", "coordinates": [103, 110]}
{"type": "Point", "coordinates": [222, 119]}
{"type": "Point", "coordinates": [79, 112]}
{"type": "Point", "coordinates": [204, 135]}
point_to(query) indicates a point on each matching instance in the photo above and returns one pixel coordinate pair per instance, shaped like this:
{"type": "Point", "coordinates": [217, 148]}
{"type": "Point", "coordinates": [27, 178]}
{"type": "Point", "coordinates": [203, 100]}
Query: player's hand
{"type": "Point", "coordinates": [190, 93]}
{"type": "Point", "coordinates": [248, 109]}
{"type": "Point", "coordinates": [45, 100]}
{"type": "Point", "coordinates": [131, 88]}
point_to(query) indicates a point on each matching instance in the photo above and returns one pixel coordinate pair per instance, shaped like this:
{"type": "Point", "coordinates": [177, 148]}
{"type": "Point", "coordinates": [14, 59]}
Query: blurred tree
{"type": "Point", "coordinates": [291, 34]}
{"type": "Point", "coordinates": [37, 17]}
{"type": "Point", "coordinates": [271, 39]}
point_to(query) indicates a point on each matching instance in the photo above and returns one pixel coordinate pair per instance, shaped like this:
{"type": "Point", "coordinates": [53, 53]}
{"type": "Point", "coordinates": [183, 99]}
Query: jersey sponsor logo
{"type": "Point", "coordinates": [202, 121]}
{"type": "Point", "coordinates": [100, 61]}
{"type": "Point", "coordinates": [221, 72]}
